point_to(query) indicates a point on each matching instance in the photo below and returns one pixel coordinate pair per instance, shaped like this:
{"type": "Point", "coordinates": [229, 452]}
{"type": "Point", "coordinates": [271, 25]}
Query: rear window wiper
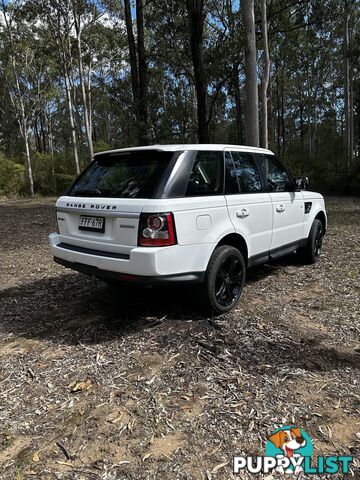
{"type": "Point", "coordinates": [85, 191]}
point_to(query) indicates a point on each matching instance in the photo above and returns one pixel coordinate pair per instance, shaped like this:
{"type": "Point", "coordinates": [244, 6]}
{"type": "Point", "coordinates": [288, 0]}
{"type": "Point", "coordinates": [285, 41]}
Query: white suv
{"type": "Point", "coordinates": [186, 213]}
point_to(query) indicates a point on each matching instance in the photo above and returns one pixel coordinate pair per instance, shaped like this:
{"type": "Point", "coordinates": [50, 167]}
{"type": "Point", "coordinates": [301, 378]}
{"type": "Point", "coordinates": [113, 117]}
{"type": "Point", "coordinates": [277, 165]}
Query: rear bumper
{"type": "Point", "coordinates": [193, 277]}
{"type": "Point", "coordinates": [147, 265]}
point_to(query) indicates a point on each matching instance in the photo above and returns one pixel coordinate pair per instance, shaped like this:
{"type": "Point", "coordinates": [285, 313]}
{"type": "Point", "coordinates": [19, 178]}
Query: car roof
{"type": "Point", "coordinates": [192, 146]}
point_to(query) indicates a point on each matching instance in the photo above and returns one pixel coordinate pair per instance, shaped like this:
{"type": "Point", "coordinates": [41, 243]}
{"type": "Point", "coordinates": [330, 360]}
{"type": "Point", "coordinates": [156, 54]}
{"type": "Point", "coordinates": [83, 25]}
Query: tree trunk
{"type": "Point", "coordinates": [142, 100]}
{"type": "Point", "coordinates": [302, 132]}
{"type": "Point", "coordinates": [72, 121]}
{"type": "Point", "coordinates": [77, 22]}
{"type": "Point", "coordinates": [193, 107]}
{"type": "Point", "coordinates": [48, 121]}
{"type": "Point", "coordinates": [308, 106]}
{"type": "Point", "coordinates": [37, 136]}
{"type": "Point", "coordinates": [196, 18]}
{"type": "Point", "coordinates": [251, 88]}
{"type": "Point", "coordinates": [137, 68]}
{"type": "Point", "coordinates": [271, 114]}
{"type": "Point", "coordinates": [28, 160]}
{"type": "Point", "coordinates": [238, 105]}
{"type": "Point", "coordinates": [315, 115]}
{"type": "Point", "coordinates": [347, 86]}
{"type": "Point", "coordinates": [265, 78]}
{"type": "Point", "coordinates": [132, 51]}
{"type": "Point", "coordinates": [351, 101]}
{"type": "Point", "coordinates": [283, 130]}
{"type": "Point", "coordinates": [278, 122]}
{"type": "Point", "coordinates": [89, 98]}
{"type": "Point", "coordinates": [357, 144]}
{"type": "Point", "coordinates": [61, 35]}
{"type": "Point", "coordinates": [43, 131]}
{"type": "Point", "coordinates": [351, 116]}
{"type": "Point", "coordinates": [19, 105]}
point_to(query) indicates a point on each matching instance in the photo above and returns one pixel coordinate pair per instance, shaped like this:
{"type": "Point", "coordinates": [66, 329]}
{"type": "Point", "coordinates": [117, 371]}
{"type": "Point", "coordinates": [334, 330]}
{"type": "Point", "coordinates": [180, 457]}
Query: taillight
{"type": "Point", "coordinates": [157, 230]}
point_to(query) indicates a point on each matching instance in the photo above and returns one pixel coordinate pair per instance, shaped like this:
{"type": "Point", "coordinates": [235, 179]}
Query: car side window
{"type": "Point", "coordinates": [246, 172]}
{"type": "Point", "coordinates": [206, 177]}
{"type": "Point", "coordinates": [276, 176]}
{"type": "Point", "coordinates": [231, 180]}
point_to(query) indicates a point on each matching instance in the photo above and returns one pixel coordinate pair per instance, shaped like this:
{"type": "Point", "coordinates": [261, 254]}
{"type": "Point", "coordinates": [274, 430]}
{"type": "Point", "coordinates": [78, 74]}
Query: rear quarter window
{"type": "Point", "coordinates": [206, 177]}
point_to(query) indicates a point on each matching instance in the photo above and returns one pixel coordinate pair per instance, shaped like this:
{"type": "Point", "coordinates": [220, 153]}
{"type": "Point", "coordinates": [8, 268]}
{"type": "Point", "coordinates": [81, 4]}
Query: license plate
{"type": "Point", "coordinates": [93, 224]}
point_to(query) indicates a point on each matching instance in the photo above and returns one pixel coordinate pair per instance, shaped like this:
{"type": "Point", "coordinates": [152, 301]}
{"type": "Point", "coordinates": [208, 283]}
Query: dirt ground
{"type": "Point", "coordinates": [97, 384]}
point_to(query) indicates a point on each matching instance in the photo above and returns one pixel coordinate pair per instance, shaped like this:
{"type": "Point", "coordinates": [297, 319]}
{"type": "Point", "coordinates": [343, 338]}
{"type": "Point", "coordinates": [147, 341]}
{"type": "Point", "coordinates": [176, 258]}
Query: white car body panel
{"type": "Point", "coordinates": [288, 218]}
{"type": "Point", "coordinates": [143, 261]}
{"type": "Point", "coordinates": [318, 205]}
{"type": "Point", "coordinates": [188, 210]}
{"type": "Point", "coordinates": [251, 215]}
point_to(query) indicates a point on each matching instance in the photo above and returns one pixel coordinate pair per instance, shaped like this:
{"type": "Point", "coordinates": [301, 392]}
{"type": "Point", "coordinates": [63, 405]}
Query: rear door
{"type": "Point", "coordinates": [249, 205]}
{"type": "Point", "coordinates": [287, 205]}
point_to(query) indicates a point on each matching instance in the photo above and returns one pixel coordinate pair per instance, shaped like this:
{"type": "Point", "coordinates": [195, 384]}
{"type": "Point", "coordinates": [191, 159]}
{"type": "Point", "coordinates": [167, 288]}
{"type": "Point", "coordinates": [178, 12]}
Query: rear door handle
{"type": "Point", "coordinates": [243, 213]}
{"type": "Point", "coordinates": [280, 208]}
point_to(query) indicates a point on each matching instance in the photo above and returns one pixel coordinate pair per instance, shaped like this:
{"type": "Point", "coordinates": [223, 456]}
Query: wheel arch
{"type": "Point", "coordinates": [237, 241]}
{"type": "Point", "coordinates": [322, 217]}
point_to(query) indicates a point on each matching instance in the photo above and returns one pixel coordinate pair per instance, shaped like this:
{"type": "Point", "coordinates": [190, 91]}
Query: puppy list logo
{"type": "Point", "coordinates": [289, 451]}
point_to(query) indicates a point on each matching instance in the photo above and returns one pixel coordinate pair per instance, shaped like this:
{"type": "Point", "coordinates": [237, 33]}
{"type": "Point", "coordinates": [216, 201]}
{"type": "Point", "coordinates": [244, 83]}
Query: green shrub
{"type": "Point", "coordinates": [12, 177]}
{"type": "Point", "coordinates": [101, 146]}
{"type": "Point", "coordinates": [63, 182]}
{"type": "Point", "coordinates": [44, 178]}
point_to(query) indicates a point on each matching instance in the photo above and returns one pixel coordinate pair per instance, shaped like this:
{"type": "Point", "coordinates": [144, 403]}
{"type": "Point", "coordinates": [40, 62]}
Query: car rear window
{"type": "Point", "coordinates": [122, 175]}
{"type": "Point", "coordinates": [206, 177]}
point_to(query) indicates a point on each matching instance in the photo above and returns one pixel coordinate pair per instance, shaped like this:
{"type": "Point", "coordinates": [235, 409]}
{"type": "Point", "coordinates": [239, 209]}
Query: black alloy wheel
{"type": "Point", "coordinates": [318, 241]}
{"type": "Point", "coordinates": [224, 279]}
{"type": "Point", "coordinates": [311, 252]}
{"type": "Point", "coordinates": [228, 281]}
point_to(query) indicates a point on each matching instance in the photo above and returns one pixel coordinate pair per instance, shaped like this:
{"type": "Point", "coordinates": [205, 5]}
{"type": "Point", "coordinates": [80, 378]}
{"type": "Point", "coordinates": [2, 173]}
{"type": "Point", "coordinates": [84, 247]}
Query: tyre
{"type": "Point", "coordinates": [312, 250]}
{"type": "Point", "coordinates": [224, 279]}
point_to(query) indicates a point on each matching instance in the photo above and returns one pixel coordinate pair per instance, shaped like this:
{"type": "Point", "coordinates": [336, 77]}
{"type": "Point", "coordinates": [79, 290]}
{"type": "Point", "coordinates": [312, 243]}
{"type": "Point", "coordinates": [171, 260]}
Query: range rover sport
{"type": "Point", "coordinates": [186, 213]}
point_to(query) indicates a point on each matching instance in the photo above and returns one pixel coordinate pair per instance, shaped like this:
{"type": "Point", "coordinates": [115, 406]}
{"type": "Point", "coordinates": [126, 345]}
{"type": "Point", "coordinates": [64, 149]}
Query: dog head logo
{"type": "Point", "coordinates": [288, 440]}
{"type": "Point", "coordinates": [291, 443]}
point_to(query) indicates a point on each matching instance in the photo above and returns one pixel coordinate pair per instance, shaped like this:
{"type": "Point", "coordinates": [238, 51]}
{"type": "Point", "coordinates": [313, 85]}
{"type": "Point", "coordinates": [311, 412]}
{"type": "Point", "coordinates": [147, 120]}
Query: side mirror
{"type": "Point", "coordinates": [301, 183]}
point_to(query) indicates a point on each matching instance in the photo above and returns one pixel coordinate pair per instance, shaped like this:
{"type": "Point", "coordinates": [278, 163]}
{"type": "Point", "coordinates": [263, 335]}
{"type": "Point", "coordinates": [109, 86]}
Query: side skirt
{"type": "Point", "coordinates": [276, 253]}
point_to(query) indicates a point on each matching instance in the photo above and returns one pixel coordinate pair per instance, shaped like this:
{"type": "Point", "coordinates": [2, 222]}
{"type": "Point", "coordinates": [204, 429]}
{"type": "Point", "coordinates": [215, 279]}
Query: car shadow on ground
{"type": "Point", "coordinates": [58, 305]}
{"type": "Point", "coordinates": [70, 309]}
{"type": "Point", "coordinates": [50, 306]}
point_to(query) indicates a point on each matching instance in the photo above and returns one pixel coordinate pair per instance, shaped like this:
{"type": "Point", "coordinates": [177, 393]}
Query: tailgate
{"type": "Point", "coordinates": [106, 224]}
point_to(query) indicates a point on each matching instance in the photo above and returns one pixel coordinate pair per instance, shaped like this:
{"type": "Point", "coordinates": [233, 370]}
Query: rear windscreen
{"type": "Point", "coordinates": [129, 175]}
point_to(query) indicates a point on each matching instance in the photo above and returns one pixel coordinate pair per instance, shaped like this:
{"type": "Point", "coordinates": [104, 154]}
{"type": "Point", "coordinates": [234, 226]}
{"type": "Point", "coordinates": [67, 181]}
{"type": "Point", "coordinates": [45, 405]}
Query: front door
{"type": "Point", "coordinates": [287, 206]}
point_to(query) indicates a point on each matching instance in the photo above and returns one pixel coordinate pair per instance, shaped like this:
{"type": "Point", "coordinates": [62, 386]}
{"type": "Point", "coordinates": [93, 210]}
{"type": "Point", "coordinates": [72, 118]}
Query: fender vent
{"type": "Point", "coordinates": [308, 206]}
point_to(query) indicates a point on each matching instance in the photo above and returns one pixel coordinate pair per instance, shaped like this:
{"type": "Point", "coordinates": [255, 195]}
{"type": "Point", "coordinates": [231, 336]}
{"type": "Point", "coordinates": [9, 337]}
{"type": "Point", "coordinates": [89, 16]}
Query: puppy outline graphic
{"type": "Point", "coordinates": [289, 442]}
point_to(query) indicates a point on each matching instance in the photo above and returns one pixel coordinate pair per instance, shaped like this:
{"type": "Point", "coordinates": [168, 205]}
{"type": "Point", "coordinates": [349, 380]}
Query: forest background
{"type": "Point", "coordinates": [81, 76]}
